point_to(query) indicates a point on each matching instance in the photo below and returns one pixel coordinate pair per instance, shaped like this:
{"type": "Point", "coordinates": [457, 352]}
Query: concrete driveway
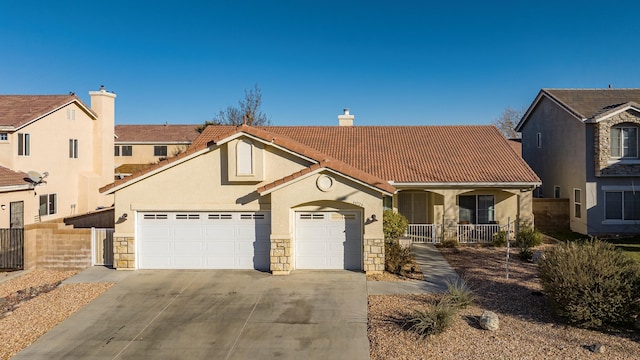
{"type": "Point", "coordinates": [217, 314]}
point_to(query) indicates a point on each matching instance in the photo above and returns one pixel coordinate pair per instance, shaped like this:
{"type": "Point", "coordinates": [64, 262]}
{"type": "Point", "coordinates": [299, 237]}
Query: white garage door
{"type": "Point", "coordinates": [203, 240]}
{"type": "Point", "coordinates": [328, 240]}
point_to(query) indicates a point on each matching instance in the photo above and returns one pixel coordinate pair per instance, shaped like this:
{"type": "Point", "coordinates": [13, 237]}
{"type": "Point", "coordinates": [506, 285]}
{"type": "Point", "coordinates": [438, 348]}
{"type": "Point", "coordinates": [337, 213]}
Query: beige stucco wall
{"type": "Point", "coordinates": [30, 206]}
{"type": "Point", "coordinates": [143, 153]}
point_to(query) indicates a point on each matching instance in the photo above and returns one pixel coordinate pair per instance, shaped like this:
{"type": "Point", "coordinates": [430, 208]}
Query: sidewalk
{"type": "Point", "coordinates": [435, 269]}
{"type": "Point", "coordinates": [95, 274]}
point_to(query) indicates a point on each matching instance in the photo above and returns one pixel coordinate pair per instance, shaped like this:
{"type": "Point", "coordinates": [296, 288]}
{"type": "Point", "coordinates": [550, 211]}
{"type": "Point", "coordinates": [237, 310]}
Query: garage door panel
{"type": "Point", "coordinates": [204, 240]}
{"type": "Point", "coordinates": [328, 240]}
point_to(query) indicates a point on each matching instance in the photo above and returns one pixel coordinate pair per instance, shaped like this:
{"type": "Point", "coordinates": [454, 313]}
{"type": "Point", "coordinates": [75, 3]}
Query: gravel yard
{"type": "Point", "coordinates": [528, 329]}
{"type": "Point", "coordinates": [34, 317]}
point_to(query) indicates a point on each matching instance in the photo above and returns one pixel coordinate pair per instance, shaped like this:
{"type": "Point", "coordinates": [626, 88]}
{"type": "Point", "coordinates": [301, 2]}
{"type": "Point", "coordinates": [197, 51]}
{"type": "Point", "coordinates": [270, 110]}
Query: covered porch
{"type": "Point", "coordinates": [465, 215]}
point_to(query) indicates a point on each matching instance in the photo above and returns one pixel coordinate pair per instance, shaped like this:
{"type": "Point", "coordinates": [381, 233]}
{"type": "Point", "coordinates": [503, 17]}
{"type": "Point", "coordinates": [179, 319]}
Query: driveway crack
{"type": "Point", "coordinates": [243, 327]}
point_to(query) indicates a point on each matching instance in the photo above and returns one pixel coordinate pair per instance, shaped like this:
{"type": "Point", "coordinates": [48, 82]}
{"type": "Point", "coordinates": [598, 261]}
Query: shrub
{"type": "Point", "coordinates": [433, 321]}
{"type": "Point", "coordinates": [591, 283]}
{"type": "Point", "coordinates": [528, 237]}
{"type": "Point", "coordinates": [459, 293]}
{"type": "Point", "coordinates": [394, 224]}
{"type": "Point", "coordinates": [396, 257]}
{"type": "Point", "coordinates": [500, 239]}
{"type": "Point", "coordinates": [450, 243]}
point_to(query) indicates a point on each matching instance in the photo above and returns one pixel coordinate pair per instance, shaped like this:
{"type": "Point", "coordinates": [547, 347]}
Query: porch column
{"type": "Point", "coordinates": [450, 220]}
{"type": "Point", "coordinates": [525, 209]}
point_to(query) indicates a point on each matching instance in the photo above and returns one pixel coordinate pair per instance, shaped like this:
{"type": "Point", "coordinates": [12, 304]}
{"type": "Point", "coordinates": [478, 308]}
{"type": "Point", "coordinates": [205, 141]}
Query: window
{"type": "Point", "coordinates": [48, 204]}
{"type": "Point", "coordinates": [4, 136]}
{"type": "Point", "coordinates": [127, 150]}
{"type": "Point", "coordinates": [577, 203]}
{"type": "Point", "coordinates": [160, 150]}
{"type": "Point", "coordinates": [73, 148]}
{"type": "Point", "coordinates": [387, 203]}
{"type": "Point", "coordinates": [116, 150]}
{"type": "Point", "coordinates": [622, 205]}
{"type": "Point", "coordinates": [476, 209]}
{"type": "Point", "coordinates": [556, 192]}
{"type": "Point", "coordinates": [71, 114]}
{"type": "Point", "coordinates": [413, 205]}
{"type": "Point", "coordinates": [244, 158]}
{"type": "Point", "coordinates": [624, 142]}
{"type": "Point", "coordinates": [24, 141]}
{"type": "Point", "coordinates": [539, 140]}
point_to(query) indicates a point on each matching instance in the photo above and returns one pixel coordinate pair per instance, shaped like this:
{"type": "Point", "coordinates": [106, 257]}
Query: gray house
{"type": "Point", "coordinates": [583, 144]}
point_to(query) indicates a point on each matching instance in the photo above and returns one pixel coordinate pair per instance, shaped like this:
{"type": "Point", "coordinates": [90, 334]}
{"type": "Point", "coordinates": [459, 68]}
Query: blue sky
{"type": "Point", "coordinates": [390, 62]}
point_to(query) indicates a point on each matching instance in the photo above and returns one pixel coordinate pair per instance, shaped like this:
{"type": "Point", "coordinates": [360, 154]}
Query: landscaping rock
{"type": "Point", "coordinates": [537, 257]}
{"type": "Point", "coordinates": [595, 348]}
{"type": "Point", "coordinates": [489, 321]}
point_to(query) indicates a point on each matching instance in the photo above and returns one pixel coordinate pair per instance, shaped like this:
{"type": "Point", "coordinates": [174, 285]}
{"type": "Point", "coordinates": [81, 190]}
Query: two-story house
{"type": "Point", "coordinates": [138, 146]}
{"type": "Point", "coordinates": [583, 144]}
{"type": "Point", "coordinates": [55, 153]}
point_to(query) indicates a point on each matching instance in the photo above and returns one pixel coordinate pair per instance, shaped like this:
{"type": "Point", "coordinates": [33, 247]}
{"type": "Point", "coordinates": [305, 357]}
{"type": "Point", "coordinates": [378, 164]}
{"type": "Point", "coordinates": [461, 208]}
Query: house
{"type": "Point", "coordinates": [55, 153]}
{"type": "Point", "coordinates": [138, 146]}
{"type": "Point", "coordinates": [285, 198]}
{"type": "Point", "coordinates": [583, 143]}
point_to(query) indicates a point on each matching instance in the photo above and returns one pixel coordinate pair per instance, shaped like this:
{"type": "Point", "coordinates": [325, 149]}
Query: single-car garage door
{"type": "Point", "coordinates": [203, 240]}
{"type": "Point", "coordinates": [328, 240]}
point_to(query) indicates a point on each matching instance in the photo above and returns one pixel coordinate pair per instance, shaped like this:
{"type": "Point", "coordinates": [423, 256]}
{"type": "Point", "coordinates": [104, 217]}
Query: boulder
{"type": "Point", "coordinates": [489, 321]}
{"type": "Point", "coordinates": [537, 257]}
{"type": "Point", "coordinates": [595, 348]}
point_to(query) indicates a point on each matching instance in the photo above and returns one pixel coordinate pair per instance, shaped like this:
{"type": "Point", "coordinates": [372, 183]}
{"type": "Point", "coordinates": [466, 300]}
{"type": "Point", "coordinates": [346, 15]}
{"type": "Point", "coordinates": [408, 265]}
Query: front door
{"type": "Point", "coordinates": [16, 213]}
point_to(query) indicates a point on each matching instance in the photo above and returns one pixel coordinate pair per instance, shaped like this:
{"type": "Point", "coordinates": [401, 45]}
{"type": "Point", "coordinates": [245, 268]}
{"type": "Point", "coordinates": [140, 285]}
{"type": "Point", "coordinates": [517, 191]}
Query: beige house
{"type": "Point", "coordinates": [55, 153]}
{"type": "Point", "coordinates": [285, 198]}
{"type": "Point", "coordinates": [138, 146]}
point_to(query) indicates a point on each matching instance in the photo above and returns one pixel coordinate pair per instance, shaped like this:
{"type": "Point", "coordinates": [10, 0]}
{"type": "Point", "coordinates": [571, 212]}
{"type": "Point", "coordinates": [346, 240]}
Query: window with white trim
{"type": "Point", "coordinates": [577, 203]}
{"type": "Point", "coordinates": [71, 114]}
{"type": "Point", "coordinates": [48, 204]}
{"type": "Point", "coordinates": [4, 136]}
{"type": "Point", "coordinates": [476, 209]}
{"type": "Point", "coordinates": [127, 150]}
{"type": "Point", "coordinates": [622, 205]}
{"type": "Point", "coordinates": [73, 148]}
{"type": "Point", "coordinates": [624, 142]}
{"type": "Point", "coordinates": [24, 144]}
{"type": "Point", "coordinates": [116, 150]}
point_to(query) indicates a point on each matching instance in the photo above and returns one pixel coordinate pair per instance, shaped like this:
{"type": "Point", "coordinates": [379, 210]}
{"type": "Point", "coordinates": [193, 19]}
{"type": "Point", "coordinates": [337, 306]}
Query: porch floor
{"type": "Point", "coordinates": [435, 269]}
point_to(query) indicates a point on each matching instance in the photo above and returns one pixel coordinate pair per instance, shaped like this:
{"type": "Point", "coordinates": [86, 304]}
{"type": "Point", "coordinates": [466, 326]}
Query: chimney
{"type": "Point", "coordinates": [103, 104]}
{"type": "Point", "coordinates": [345, 119]}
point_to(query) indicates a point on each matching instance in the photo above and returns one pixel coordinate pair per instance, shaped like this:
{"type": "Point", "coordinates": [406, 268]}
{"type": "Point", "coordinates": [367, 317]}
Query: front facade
{"type": "Point", "coordinates": [138, 146]}
{"type": "Point", "coordinates": [286, 198]}
{"type": "Point", "coordinates": [583, 143]}
{"type": "Point", "coordinates": [52, 154]}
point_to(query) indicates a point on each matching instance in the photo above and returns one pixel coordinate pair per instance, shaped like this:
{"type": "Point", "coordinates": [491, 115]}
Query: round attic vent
{"type": "Point", "coordinates": [324, 182]}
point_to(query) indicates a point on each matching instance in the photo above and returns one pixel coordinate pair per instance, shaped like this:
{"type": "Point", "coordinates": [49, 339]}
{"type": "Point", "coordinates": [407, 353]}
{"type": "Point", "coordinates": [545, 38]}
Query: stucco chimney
{"type": "Point", "coordinates": [345, 119]}
{"type": "Point", "coordinates": [103, 104]}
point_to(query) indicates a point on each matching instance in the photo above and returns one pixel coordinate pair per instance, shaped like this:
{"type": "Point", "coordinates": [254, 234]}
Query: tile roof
{"type": "Point", "coordinates": [18, 110]}
{"type": "Point", "coordinates": [156, 133]}
{"type": "Point", "coordinates": [131, 168]}
{"type": "Point", "coordinates": [9, 177]}
{"type": "Point", "coordinates": [586, 103]}
{"type": "Point", "coordinates": [410, 154]}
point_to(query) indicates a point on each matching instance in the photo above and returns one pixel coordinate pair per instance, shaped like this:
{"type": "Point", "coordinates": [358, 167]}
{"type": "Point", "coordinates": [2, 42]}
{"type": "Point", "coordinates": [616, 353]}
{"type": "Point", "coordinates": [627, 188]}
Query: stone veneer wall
{"type": "Point", "coordinates": [280, 256]}
{"type": "Point", "coordinates": [373, 255]}
{"type": "Point", "coordinates": [602, 135]}
{"type": "Point", "coordinates": [124, 253]}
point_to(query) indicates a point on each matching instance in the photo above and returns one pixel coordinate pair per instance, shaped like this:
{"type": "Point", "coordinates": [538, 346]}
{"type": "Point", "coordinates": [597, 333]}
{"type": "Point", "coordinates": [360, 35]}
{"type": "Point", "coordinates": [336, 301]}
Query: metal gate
{"type": "Point", "coordinates": [11, 249]}
{"type": "Point", "coordinates": [102, 246]}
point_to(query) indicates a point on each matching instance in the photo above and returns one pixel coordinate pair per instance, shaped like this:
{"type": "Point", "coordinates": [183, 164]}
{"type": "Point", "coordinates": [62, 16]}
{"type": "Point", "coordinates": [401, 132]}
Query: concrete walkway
{"type": "Point", "coordinates": [96, 274]}
{"type": "Point", "coordinates": [435, 269]}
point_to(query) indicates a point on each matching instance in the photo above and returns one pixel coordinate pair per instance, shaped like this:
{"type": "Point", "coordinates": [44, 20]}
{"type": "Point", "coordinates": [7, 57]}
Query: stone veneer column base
{"type": "Point", "coordinates": [124, 253]}
{"type": "Point", "coordinates": [373, 255]}
{"type": "Point", "coordinates": [280, 255]}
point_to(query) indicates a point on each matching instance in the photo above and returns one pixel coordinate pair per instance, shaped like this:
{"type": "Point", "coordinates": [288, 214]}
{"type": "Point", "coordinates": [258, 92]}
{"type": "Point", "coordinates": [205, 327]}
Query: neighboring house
{"type": "Point", "coordinates": [583, 143]}
{"type": "Point", "coordinates": [138, 146]}
{"type": "Point", "coordinates": [284, 198]}
{"type": "Point", "coordinates": [64, 141]}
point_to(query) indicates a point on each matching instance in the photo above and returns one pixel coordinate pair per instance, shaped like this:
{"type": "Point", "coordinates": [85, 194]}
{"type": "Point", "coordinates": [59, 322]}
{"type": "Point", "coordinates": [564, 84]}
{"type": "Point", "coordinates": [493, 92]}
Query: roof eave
{"type": "Point", "coordinates": [541, 94]}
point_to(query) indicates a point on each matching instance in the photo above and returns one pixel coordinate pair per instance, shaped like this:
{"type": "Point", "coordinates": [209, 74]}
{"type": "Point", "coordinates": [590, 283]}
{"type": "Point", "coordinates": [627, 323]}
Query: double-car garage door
{"type": "Point", "coordinates": [240, 240]}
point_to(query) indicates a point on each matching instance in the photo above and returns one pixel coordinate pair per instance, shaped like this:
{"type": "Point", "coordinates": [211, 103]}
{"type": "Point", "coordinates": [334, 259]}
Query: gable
{"type": "Point", "coordinates": [17, 111]}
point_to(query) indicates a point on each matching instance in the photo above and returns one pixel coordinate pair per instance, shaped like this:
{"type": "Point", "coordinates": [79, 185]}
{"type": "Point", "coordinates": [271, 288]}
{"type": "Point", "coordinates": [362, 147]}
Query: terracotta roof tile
{"type": "Point", "coordinates": [9, 177]}
{"type": "Point", "coordinates": [156, 133]}
{"type": "Point", "coordinates": [587, 103]}
{"type": "Point", "coordinates": [410, 154]}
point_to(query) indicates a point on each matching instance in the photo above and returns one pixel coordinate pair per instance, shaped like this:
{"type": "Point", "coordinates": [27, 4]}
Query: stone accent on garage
{"type": "Point", "coordinates": [373, 255]}
{"type": "Point", "coordinates": [603, 150]}
{"type": "Point", "coordinates": [123, 253]}
{"type": "Point", "coordinates": [281, 255]}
